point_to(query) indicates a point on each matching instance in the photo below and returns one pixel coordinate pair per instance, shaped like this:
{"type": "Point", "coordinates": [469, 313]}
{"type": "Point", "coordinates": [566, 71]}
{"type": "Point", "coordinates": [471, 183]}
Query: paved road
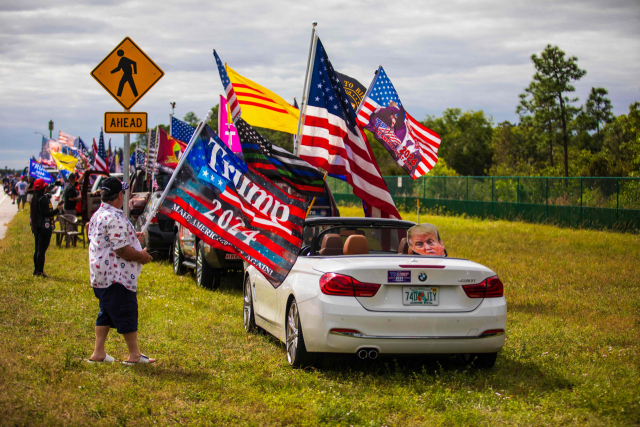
{"type": "Point", "coordinates": [7, 211]}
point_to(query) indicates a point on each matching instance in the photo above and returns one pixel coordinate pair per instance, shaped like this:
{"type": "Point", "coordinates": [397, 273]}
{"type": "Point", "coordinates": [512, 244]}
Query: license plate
{"type": "Point", "coordinates": [231, 256]}
{"type": "Point", "coordinates": [420, 296]}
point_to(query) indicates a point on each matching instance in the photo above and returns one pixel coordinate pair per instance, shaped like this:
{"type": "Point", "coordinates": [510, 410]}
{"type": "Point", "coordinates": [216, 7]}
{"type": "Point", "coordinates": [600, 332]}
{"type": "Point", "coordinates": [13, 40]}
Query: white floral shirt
{"type": "Point", "coordinates": [109, 230]}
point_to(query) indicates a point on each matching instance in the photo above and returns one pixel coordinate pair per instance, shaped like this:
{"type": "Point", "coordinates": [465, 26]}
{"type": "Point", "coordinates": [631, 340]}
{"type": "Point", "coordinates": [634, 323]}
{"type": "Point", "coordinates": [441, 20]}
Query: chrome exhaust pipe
{"type": "Point", "coordinates": [373, 354]}
{"type": "Point", "coordinates": [362, 354]}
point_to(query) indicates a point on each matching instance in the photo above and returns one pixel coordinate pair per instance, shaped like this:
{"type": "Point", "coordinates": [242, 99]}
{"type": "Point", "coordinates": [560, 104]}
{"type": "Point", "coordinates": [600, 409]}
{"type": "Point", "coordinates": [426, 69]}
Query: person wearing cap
{"type": "Point", "coordinates": [115, 262]}
{"type": "Point", "coordinates": [42, 214]}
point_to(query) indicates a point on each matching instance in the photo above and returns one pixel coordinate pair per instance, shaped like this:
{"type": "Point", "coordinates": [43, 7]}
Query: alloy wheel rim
{"type": "Point", "coordinates": [292, 333]}
{"type": "Point", "coordinates": [199, 267]}
{"type": "Point", "coordinates": [176, 256]}
{"type": "Point", "coordinates": [247, 305]}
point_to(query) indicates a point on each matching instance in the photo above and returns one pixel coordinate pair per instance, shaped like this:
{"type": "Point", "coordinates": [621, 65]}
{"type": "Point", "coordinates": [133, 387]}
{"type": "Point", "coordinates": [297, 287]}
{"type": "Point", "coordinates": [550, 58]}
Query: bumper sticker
{"type": "Point", "coordinates": [399, 276]}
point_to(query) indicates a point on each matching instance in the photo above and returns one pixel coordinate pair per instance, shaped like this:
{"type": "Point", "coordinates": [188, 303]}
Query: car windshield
{"type": "Point", "coordinates": [332, 240]}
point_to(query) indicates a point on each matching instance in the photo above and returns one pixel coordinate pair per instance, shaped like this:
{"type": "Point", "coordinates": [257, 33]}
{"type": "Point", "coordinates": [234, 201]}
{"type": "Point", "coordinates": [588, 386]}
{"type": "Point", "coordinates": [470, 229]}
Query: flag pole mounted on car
{"type": "Point", "coordinates": [307, 81]}
{"type": "Point", "coordinates": [193, 139]}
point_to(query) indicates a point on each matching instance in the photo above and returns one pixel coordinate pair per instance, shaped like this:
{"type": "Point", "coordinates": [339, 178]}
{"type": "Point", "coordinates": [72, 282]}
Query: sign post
{"type": "Point", "coordinates": [127, 73]}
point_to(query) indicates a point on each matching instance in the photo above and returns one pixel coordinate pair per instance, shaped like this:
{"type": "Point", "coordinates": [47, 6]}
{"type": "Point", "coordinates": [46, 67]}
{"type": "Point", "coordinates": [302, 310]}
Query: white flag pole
{"type": "Point", "coordinates": [193, 139]}
{"type": "Point", "coordinates": [368, 90]}
{"type": "Point", "coordinates": [305, 94]}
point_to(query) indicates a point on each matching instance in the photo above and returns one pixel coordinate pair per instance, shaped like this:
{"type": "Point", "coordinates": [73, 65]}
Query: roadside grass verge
{"type": "Point", "coordinates": [572, 354]}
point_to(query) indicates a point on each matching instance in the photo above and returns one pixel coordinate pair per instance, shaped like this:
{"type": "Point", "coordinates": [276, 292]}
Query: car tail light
{"type": "Point", "coordinates": [489, 288]}
{"type": "Point", "coordinates": [494, 288]}
{"type": "Point", "coordinates": [339, 284]}
{"type": "Point", "coordinates": [154, 220]}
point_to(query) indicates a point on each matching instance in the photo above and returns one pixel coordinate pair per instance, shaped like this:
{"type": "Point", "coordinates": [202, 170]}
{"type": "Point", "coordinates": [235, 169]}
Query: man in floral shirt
{"type": "Point", "coordinates": [115, 262]}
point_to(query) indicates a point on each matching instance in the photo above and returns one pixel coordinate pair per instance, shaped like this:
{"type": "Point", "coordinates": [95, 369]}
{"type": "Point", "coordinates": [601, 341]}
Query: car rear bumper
{"type": "Point", "coordinates": [398, 332]}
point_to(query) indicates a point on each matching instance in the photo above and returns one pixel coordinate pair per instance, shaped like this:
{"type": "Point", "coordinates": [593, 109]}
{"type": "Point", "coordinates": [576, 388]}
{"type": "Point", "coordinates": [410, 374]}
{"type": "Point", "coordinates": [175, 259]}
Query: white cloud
{"type": "Point", "coordinates": [466, 54]}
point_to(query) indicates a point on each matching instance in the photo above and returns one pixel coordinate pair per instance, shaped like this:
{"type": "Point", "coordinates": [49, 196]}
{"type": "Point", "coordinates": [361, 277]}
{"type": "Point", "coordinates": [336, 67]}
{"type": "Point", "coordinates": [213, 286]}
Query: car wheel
{"type": "Point", "coordinates": [479, 360]}
{"type": "Point", "coordinates": [297, 354]}
{"type": "Point", "coordinates": [178, 258]}
{"type": "Point", "coordinates": [249, 317]}
{"type": "Point", "coordinates": [206, 276]}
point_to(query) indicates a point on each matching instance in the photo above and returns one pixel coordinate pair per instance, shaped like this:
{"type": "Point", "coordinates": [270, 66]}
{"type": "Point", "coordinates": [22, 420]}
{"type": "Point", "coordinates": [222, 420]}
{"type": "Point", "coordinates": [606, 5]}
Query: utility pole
{"type": "Point", "coordinates": [173, 107]}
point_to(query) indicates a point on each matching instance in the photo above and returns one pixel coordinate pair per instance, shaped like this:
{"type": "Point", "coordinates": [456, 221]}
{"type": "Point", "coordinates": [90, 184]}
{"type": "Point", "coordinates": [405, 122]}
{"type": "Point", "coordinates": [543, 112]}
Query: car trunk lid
{"type": "Point", "coordinates": [412, 284]}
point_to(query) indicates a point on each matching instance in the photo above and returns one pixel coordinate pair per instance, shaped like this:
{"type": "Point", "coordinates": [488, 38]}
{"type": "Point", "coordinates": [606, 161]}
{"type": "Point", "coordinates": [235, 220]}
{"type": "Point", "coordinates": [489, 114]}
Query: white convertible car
{"type": "Point", "coordinates": [357, 288]}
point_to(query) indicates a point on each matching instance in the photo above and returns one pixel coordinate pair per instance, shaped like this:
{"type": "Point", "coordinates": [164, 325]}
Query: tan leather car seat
{"type": "Point", "coordinates": [356, 245]}
{"type": "Point", "coordinates": [403, 247]}
{"type": "Point", "coordinates": [331, 245]}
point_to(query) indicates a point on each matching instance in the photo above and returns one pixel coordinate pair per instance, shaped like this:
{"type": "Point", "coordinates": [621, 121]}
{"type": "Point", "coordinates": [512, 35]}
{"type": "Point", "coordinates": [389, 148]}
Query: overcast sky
{"type": "Point", "coordinates": [439, 54]}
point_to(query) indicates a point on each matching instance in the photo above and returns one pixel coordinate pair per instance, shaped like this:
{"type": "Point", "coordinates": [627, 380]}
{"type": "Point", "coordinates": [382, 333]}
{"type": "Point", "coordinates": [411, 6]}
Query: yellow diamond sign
{"type": "Point", "coordinates": [127, 73]}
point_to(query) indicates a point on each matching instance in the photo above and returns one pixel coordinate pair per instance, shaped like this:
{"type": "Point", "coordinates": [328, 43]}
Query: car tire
{"type": "Point", "coordinates": [479, 360]}
{"type": "Point", "coordinates": [206, 276]}
{"type": "Point", "coordinates": [297, 354]}
{"type": "Point", "coordinates": [249, 317]}
{"type": "Point", "coordinates": [177, 256]}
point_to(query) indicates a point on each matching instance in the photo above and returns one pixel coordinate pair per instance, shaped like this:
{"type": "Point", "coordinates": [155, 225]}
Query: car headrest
{"type": "Point", "coordinates": [356, 245]}
{"type": "Point", "coordinates": [403, 247]}
{"type": "Point", "coordinates": [347, 233]}
{"type": "Point", "coordinates": [331, 245]}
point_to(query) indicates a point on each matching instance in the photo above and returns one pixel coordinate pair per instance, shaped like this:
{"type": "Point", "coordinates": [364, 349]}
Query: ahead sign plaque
{"type": "Point", "coordinates": [118, 122]}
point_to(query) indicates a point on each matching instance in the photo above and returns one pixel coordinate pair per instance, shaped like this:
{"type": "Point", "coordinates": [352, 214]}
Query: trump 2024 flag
{"type": "Point", "coordinates": [221, 201]}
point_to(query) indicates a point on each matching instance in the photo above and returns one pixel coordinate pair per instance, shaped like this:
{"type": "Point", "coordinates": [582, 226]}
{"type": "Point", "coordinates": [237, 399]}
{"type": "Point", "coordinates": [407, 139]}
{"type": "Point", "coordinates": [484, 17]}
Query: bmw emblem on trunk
{"type": "Point", "coordinates": [422, 276]}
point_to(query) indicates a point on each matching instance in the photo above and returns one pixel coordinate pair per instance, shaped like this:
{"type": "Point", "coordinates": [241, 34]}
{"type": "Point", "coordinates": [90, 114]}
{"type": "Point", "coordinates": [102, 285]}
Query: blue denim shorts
{"type": "Point", "coordinates": [118, 308]}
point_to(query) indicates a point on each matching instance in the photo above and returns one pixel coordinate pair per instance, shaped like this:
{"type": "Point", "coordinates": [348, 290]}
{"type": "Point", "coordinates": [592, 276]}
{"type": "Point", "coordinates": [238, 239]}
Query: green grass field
{"type": "Point", "coordinates": [572, 354]}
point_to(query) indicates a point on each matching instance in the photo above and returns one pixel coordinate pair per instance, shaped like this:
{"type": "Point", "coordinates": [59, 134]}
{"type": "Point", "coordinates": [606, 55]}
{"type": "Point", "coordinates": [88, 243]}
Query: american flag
{"type": "Point", "coordinates": [81, 146]}
{"type": "Point", "coordinates": [234, 106]}
{"type": "Point", "coordinates": [151, 151]}
{"type": "Point", "coordinates": [381, 93]}
{"type": "Point", "coordinates": [141, 158]}
{"type": "Point", "coordinates": [66, 139]}
{"type": "Point", "coordinates": [181, 130]}
{"type": "Point", "coordinates": [99, 155]}
{"type": "Point", "coordinates": [332, 140]}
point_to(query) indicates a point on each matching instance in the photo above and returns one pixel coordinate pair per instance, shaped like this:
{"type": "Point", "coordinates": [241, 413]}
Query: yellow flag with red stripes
{"type": "Point", "coordinates": [261, 107]}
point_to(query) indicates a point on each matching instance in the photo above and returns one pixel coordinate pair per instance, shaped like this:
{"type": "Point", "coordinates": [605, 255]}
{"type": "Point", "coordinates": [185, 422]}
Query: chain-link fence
{"type": "Point", "coordinates": [575, 202]}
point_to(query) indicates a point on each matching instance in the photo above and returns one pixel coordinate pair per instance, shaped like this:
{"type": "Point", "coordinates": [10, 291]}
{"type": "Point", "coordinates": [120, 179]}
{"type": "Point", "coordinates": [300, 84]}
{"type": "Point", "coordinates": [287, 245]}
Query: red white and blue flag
{"type": "Point", "coordinates": [66, 139]}
{"type": "Point", "coordinates": [228, 206]}
{"type": "Point", "coordinates": [100, 155]}
{"type": "Point", "coordinates": [181, 130]}
{"type": "Point", "coordinates": [410, 143]}
{"type": "Point", "coordinates": [332, 140]}
{"type": "Point", "coordinates": [234, 106]}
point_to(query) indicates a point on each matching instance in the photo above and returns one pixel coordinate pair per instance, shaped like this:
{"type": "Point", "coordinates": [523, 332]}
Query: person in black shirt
{"type": "Point", "coordinates": [42, 214]}
{"type": "Point", "coordinates": [70, 197]}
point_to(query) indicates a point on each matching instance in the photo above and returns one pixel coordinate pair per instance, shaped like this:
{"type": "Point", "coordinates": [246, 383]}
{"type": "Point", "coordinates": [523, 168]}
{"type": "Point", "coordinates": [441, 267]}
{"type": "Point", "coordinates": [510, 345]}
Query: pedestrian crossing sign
{"type": "Point", "coordinates": [127, 73]}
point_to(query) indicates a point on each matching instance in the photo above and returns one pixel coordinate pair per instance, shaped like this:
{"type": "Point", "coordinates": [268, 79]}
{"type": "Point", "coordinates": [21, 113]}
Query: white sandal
{"type": "Point", "coordinates": [107, 359]}
{"type": "Point", "coordinates": [143, 359]}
